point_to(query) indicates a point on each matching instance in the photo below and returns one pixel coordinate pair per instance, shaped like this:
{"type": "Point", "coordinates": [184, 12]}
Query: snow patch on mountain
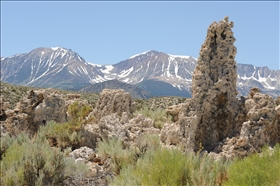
{"type": "Point", "coordinates": [125, 73]}
{"type": "Point", "coordinates": [179, 56]}
{"type": "Point", "coordinates": [139, 54]}
{"type": "Point", "coordinates": [170, 59]}
{"type": "Point", "coordinates": [97, 79]}
{"type": "Point", "coordinates": [55, 48]}
{"type": "Point", "coordinates": [107, 69]}
{"type": "Point", "coordinates": [94, 65]}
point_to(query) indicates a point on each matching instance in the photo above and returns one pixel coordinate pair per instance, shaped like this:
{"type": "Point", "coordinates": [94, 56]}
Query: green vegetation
{"type": "Point", "coordinates": [41, 159]}
{"type": "Point", "coordinates": [33, 162]}
{"type": "Point", "coordinates": [120, 156]}
{"type": "Point", "coordinates": [163, 167]}
{"type": "Point", "coordinates": [205, 170]}
{"type": "Point", "coordinates": [13, 93]}
{"type": "Point", "coordinates": [146, 142]}
{"type": "Point", "coordinates": [256, 169]}
{"type": "Point", "coordinates": [68, 134]}
{"type": "Point", "coordinates": [157, 165]}
{"type": "Point", "coordinates": [157, 115]}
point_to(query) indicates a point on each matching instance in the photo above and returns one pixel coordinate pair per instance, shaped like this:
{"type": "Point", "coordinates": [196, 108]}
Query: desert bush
{"type": "Point", "coordinates": [164, 166]}
{"type": "Point", "coordinates": [205, 170]}
{"type": "Point", "coordinates": [63, 135]}
{"type": "Point", "coordinates": [157, 167]}
{"type": "Point", "coordinates": [256, 169]}
{"type": "Point", "coordinates": [127, 177]}
{"type": "Point", "coordinates": [120, 157]}
{"type": "Point", "coordinates": [78, 112]}
{"type": "Point", "coordinates": [68, 134]}
{"type": "Point", "coordinates": [146, 142]}
{"type": "Point", "coordinates": [158, 116]}
{"type": "Point", "coordinates": [34, 162]}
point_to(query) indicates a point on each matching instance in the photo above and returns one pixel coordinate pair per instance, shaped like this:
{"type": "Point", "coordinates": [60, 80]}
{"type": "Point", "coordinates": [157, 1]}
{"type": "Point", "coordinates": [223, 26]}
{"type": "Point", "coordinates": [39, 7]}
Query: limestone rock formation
{"type": "Point", "coordinates": [114, 119]}
{"type": "Point", "coordinates": [261, 127]}
{"type": "Point", "coordinates": [34, 110]}
{"type": "Point", "coordinates": [213, 108]}
{"type": "Point", "coordinates": [4, 106]}
{"type": "Point", "coordinates": [170, 134]}
{"type": "Point", "coordinates": [98, 169]}
{"type": "Point", "coordinates": [214, 118]}
{"type": "Point", "coordinates": [114, 101]}
{"type": "Point", "coordinates": [113, 126]}
{"type": "Point", "coordinates": [174, 111]}
{"type": "Point", "coordinates": [53, 107]}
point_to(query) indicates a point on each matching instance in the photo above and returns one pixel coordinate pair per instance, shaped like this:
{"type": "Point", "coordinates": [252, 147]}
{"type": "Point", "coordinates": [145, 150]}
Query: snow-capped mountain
{"type": "Point", "coordinates": [176, 70]}
{"type": "Point", "coordinates": [63, 68]}
{"type": "Point", "coordinates": [268, 81]}
{"type": "Point", "coordinates": [49, 67]}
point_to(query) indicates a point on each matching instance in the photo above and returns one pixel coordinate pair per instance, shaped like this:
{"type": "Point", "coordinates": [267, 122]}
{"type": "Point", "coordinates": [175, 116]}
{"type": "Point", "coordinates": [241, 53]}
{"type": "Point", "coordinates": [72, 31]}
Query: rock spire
{"type": "Point", "coordinates": [211, 111]}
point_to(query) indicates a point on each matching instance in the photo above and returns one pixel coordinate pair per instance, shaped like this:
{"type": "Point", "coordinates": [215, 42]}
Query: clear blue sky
{"type": "Point", "coordinates": [109, 32]}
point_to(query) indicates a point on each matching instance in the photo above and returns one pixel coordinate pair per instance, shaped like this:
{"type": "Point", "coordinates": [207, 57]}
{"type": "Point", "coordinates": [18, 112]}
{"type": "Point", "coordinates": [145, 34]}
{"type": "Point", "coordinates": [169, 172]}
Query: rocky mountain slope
{"type": "Point", "coordinates": [249, 76]}
{"type": "Point", "coordinates": [49, 67]}
{"type": "Point", "coordinates": [160, 88]}
{"type": "Point", "coordinates": [62, 68]}
{"type": "Point", "coordinates": [176, 70]}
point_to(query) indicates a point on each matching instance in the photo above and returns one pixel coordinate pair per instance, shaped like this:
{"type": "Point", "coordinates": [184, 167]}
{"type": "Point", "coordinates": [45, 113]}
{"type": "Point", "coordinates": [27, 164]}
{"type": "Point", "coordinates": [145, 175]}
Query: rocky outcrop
{"type": "Point", "coordinates": [261, 127]}
{"type": "Point", "coordinates": [114, 119]}
{"type": "Point", "coordinates": [122, 128]}
{"type": "Point", "coordinates": [113, 126]}
{"type": "Point", "coordinates": [34, 110]}
{"type": "Point", "coordinates": [174, 111]}
{"type": "Point", "coordinates": [3, 107]}
{"type": "Point", "coordinates": [210, 115]}
{"type": "Point", "coordinates": [170, 134]}
{"type": "Point", "coordinates": [114, 101]}
{"type": "Point", "coordinates": [98, 168]}
{"type": "Point", "coordinates": [52, 107]}
{"type": "Point", "coordinates": [214, 118]}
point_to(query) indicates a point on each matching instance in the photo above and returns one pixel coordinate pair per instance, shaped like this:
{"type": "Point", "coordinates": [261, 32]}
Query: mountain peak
{"type": "Point", "coordinates": [157, 52]}
{"type": "Point", "coordinates": [144, 53]}
{"type": "Point", "coordinates": [60, 49]}
{"type": "Point", "coordinates": [180, 56]}
{"type": "Point", "coordinates": [51, 49]}
{"type": "Point", "coordinates": [139, 54]}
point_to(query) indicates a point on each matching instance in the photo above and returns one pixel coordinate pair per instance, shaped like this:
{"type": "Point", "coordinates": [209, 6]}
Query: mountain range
{"type": "Point", "coordinates": [150, 73]}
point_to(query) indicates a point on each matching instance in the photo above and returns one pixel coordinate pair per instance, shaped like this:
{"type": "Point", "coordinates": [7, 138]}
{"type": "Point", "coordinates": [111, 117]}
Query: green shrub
{"type": "Point", "coordinates": [157, 115]}
{"type": "Point", "coordinates": [62, 135]}
{"type": "Point", "coordinates": [7, 141]}
{"type": "Point", "coordinates": [34, 162]}
{"type": "Point", "coordinates": [120, 157]}
{"type": "Point", "coordinates": [256, 169]}
{"type": "Point", "coordinates": [68, 134]}
{"type": "Point", "coordinates": [157, 167]}
{"type": "Point", "coordinates": [163, 166]}
{"type": "Point", "coordinates": [126, 177]}
{"type": "Point", "coordinates": [205, 170]}
{"type": "Point", "coordinates": [146, 142]}
{"type": "Point", "coordinates": [78, 112]}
